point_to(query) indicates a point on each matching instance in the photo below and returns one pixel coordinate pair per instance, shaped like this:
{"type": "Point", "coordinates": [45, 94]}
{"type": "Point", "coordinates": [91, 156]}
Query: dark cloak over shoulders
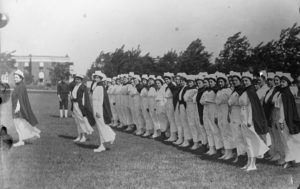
{"type": "Point", "coordinates": [290, 111]}
{"type": "Point", "coordinates": [258, 115]}
{"type": "Point", "coordinates": [86, 108]}
{"type": "Point", "coordinates": [107, 115]}
{"type": "Point", "coordinates": [199, 105]}
{"type": "Point", "coordinates": [268, 106]}
{"type": "Point", "coordinates": [20, 94]}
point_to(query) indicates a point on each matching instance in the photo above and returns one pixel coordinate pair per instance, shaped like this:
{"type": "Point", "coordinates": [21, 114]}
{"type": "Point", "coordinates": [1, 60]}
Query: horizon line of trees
{"type": "Point", "coordinates": [282, 54]}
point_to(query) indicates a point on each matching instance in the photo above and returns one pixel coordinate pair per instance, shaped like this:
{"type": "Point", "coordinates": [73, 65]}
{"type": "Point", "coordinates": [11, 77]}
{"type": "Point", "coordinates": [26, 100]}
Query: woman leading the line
{"type": "Point", "coordinates": [253, 122]}
{"type": "Point", "coordinates": [81, 108]}
{"type": "Point", "coordinates": [106, 134]}
{"type": "Point", "coordinates": [23, 117]}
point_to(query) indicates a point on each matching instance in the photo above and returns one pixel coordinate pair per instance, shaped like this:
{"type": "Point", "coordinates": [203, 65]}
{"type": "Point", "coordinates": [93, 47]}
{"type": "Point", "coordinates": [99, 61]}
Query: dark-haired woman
{"type": "Point", "coordinates": [204, 100]}
{"type": "Point", "coordinates": [183, 113]}
{"type": "Point", "coordinates": [201, 87]}
{"type": "Point", "coordinates": [289, 122]}
{"type": "Point", "coordinates": [161, 112]}
{"type": "Point", "coordinates": [191, 111]}
{"type": "Point", "coordinates": [222, 97]}
{"type": "Point", "coordinates": [210, 100]}
{"type": "Point", "coordinates": [253, 122]}
{"type": "Point", "coordinates": [82, 110]}
{"type": "Point", "coordinates": [272, 116]}
{"type": "Point", "coordinates": [100, 97]}
{"type": "Point", "coordinates": [23, 117]}
{"type": "Point", "coordinates": [235, 115]}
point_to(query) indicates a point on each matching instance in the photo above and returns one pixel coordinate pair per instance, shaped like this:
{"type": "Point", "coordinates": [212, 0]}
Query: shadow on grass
{"type": "Point", "coordinates": [200, 153]}
{"type": "Point", "coordinates": [55, 116]}
{"type": "Point", "coordinates": [66, 137]}
{"type": "Point", "coordinates": [90, 146]}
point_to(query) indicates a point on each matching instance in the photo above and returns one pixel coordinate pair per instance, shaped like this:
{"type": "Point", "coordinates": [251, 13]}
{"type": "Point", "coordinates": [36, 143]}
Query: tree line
{"type": "Point", "coordinates": [282, 54]}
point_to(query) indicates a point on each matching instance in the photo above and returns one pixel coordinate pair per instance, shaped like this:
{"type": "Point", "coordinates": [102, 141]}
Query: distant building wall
{"type": "Point", "coordinates": [39, 66]}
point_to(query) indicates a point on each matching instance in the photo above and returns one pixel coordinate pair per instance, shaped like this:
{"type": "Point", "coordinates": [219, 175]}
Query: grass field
{"type": "Point", "coordinates": [55, 161]}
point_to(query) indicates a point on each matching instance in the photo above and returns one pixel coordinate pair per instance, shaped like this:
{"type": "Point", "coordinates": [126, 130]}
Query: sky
{"type": "Point", "coordinates": [83, 28]}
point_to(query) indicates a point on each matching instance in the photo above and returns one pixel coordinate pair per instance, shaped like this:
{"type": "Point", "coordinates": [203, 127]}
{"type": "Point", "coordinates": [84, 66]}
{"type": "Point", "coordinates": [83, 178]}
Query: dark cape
{"type": "Point", "coordinates": [175, 89]}
{"type": "Point", "coordinates": [86, 109]}
{"type": "Point", "coordinates": [215, 89]}
{"type": "Point", "coordinates": [239, 90]}
{"type": "Point", "coordinates": [6, 140]}
{"type": "Point", "coordinates": [92, 84]}
{"type": "Point", "coordinates": [20, 94]}
{"type": "Point", "coordinates": [72, 85]}
{"type": "Point", "coordinates": [139, 87]}
{"type": "Point", "coordinates": [258, 115]}
{"type": "Point", "coordinates": [182, 95]}
{"type": "Point", "coordinates": [107, 115]}
{"type": "Point", "coordinates": [199, 105]}
{"type": "Point", "coordinates": [269, 105]}
{"type": "Point", "coordinates": [290, 111]}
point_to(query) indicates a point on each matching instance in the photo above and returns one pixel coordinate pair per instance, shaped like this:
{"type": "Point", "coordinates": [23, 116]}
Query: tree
{"type": "Point", "coordinates": [234, 56]}
{"type": "Point", "coordinates": [6, 62]}
{"type": "Point", "coordinates": [288, 47]}
{"type": "Point", "coordinates": [58, 72]}
{"type": "Point", "coordinates": [194, 59]}
{"type": "Point", "coordinates": [167, 63]}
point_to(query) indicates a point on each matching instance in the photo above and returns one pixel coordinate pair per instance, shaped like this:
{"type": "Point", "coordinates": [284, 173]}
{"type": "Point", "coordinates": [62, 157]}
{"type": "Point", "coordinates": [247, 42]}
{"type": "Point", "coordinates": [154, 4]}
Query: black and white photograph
{"type": "Point", "coordinates": [149, 94]}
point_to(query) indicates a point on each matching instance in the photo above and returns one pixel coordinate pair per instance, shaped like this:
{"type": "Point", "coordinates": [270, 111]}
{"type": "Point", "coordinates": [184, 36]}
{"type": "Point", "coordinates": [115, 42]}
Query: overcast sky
{"type": "Point", "coordinates": [82, 28]}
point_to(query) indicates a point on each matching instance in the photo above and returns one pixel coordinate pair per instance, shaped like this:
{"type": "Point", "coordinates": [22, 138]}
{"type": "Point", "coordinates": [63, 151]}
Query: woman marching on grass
{"type": "Point", "coordinates": [161, 108]}
{"type": "Point", "coordinates": [289, 122]}
{"type": "Point", "coordinates": [222, 97]}
{"type": "Point", "coordinates": [253, 122]}
{"type": "Point", "coordinates": [100, 97]}
{"type": "Point", "coordinates": [183, 113]}
{"type": "Point", "coordinates": [235, 115]}
{"type": "Point", "coordinates": [272, 114]}
{"type": "Point", "coordinates": [82, 110]}
{"type": "Point", "coordinates": [201, 87]}
{"type": "Point", "coordinates": [191, 111]}
{"type": "Point", "coordinates": [209, 116]}
{"type": "Point", "coordinates": [23, 117]}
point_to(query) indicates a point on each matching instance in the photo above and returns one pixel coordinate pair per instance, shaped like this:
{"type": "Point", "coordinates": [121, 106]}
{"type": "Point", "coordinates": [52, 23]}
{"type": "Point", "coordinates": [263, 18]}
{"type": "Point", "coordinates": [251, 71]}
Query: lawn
{"type": "Point", "coordinates": [55, 161]}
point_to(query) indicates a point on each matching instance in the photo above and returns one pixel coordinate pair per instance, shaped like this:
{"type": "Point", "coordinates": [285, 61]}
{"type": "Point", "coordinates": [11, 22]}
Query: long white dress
{"type": "Point", "coordinates": [207, 128]}
{"type": "Point", "coordinates": [82, 122]}
{"type": "Point", "coordinates": [24, 128]}
{"type": "Point", "coordinates": [105, 132]}
{"type": "Point", "coordinates": [254, 144]}
{"type": "Point", "coordinates": [170, 110]}
{"type": "Point", "coordinates": [222, 97]}
{"type": "Point", "coordinates": [291, 143]}
{"type": "Point", "coordinates": [161, 111]}
{"type": "Point", "coordinates": [210, 116]}
{"type": "Point", "coordinates": [192, 114]}
{"type": "Point", "coordinates": [235, 122]}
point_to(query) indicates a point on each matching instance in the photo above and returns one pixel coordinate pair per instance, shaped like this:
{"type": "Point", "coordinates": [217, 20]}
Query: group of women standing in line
{"type": "Point", "coordinates": [85, 112]}
{"type": "Point", "coordinates": [89, 108]}
{"type": "Point", "coordinates": [222, 113]}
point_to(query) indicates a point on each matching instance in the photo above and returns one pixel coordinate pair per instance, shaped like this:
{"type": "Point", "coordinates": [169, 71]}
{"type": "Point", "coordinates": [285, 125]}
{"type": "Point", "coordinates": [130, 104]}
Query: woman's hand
{"type": "Point", "coordinates": [281, 126]}
{"type": "Point", "coordinates": [98, 115]}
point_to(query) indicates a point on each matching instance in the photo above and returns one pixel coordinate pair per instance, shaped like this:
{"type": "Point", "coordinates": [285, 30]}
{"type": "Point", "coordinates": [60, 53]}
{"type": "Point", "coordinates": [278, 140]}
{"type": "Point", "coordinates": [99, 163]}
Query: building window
{"type": "Point", "coordinates": [41, 64]}
{"type": "Point", "coordinates": [26, 64]}
{"type": "Point", "coordinates": [41, 77]}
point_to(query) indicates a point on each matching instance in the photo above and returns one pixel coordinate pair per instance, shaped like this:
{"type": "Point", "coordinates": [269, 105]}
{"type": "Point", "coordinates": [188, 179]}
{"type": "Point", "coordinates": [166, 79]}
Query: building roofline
{"type": "Point", "coordinates": [40, 58]}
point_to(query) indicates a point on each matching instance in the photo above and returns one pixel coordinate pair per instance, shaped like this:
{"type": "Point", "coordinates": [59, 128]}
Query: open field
{"type": "Point", "coordinates": [55, 161]}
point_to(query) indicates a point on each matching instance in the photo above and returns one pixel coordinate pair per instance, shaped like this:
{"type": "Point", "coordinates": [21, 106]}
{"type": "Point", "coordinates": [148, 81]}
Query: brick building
{"type": "Point", "coordinates": [39, 66]}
